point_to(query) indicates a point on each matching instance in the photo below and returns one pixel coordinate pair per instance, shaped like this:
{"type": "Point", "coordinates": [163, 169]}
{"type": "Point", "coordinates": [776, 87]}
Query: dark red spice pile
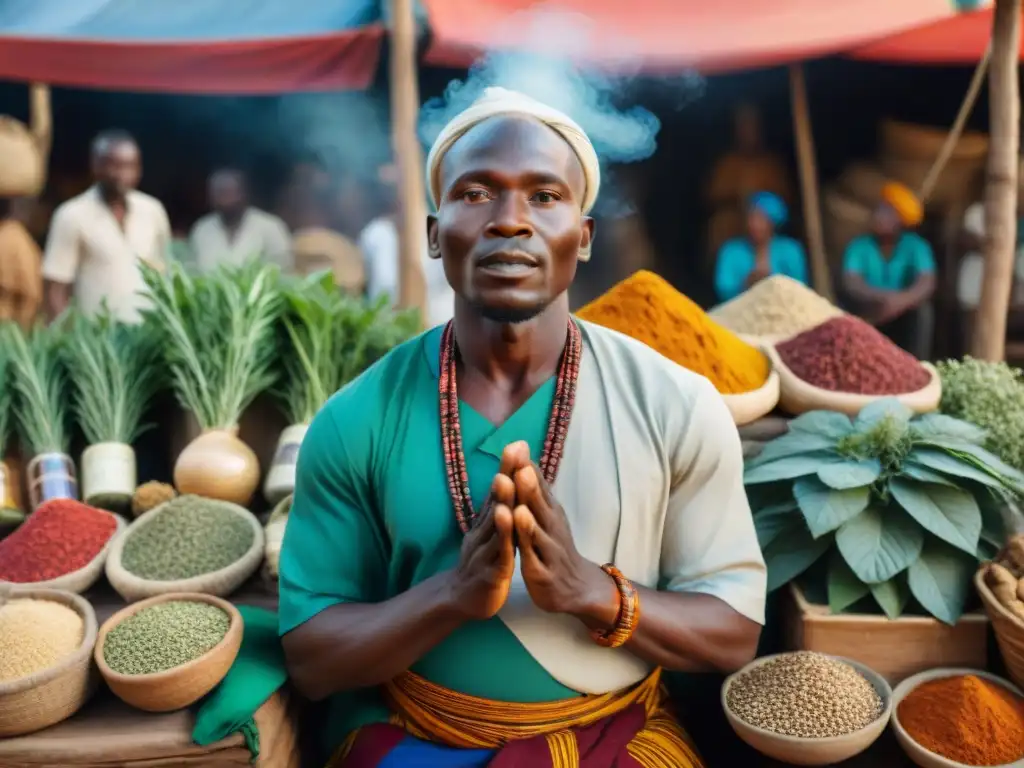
{"type": "Point", "coordinates": [60, 537]}
{"type": "Point", "coordinates": [845, 354]}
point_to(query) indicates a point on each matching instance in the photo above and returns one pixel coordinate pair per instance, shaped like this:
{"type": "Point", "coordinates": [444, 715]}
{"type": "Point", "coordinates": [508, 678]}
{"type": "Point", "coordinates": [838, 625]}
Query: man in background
{"type": "Point", "coordinates": [889, 273]}
{"type": "Point", "coordinates": [21, 284]}
{"type": "Point", "coordinates": [236, 231]}
{"type": "Point", "coordinates": [98, 238]}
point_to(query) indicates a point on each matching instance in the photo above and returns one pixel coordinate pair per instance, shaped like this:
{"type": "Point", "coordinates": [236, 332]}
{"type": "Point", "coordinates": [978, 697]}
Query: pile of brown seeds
{"type": "Point", "coordinates": [805, 694]}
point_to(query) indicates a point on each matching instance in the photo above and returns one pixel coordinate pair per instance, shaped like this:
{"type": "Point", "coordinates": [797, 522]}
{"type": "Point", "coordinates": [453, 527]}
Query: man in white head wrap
{"type": "Point", "coordinates": [512, 523]}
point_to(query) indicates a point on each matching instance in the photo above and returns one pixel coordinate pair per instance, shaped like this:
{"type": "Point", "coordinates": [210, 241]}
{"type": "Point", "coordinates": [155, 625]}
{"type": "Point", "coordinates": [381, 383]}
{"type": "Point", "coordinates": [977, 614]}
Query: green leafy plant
{"type": "Point", "coordinates": [218, 336]}
{"type": "Point", "coordinates": [897, 507]}
{"type": "Point", "coordinates": [331, 339]}
{"type": "Point", "coordinates": [39, 381]}
{"type": "Point", "coordinates": [113, 372]}
{"type": "Point", "coordinates": [990, 395]}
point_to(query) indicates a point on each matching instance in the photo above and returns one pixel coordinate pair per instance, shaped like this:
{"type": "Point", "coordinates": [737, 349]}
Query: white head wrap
{"type": "Point", "coordinates": [501, 101]}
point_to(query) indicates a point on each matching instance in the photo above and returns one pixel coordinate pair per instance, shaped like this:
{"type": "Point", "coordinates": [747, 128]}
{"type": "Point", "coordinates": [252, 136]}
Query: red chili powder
{"type": "Point", "coordinates": [845, 354]}
{"type": "Point", "coordinates": [60, 537]}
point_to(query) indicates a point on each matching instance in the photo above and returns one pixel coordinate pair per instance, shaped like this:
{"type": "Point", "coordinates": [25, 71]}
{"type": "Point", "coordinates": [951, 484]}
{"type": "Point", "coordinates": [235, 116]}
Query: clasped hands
{"type": "Point", "coordinates": [522, 513]}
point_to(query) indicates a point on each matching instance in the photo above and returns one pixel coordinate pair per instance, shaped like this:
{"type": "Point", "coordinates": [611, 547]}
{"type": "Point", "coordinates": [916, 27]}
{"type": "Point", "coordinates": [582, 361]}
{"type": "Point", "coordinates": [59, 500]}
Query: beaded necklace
{"type": "Point", "coordinates": [451, 430]}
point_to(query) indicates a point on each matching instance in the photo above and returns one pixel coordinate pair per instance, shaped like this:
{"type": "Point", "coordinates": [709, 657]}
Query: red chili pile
{"type": "Point", "coordinates": [60, 537]}
{"type": "Point", "coordinates": [845, 354]}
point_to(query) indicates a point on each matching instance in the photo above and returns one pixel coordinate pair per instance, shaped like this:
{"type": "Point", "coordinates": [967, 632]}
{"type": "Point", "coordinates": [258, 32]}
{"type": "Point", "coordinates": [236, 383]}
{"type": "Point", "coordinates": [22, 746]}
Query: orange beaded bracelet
{"type": "Point", "coordinates": [629, 612]}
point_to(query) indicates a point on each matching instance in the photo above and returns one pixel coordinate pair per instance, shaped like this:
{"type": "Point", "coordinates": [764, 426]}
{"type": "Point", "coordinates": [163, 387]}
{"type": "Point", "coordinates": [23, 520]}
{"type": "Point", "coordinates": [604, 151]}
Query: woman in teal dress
{"type": "Point", "coordinates": [744, 261]}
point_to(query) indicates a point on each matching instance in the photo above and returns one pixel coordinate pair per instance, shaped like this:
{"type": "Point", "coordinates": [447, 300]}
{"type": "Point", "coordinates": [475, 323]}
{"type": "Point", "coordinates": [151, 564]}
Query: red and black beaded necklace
{"type": "Point", "coordinates": [451, 430]}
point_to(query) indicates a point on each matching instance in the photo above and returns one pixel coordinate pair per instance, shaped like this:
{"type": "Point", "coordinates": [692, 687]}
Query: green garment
{"type": "Point", "coordinates": [258, 671]}
{"type": "Point", "coordinates": [911, 258]}
{"type": "Point", "coordinates": [372, 517]}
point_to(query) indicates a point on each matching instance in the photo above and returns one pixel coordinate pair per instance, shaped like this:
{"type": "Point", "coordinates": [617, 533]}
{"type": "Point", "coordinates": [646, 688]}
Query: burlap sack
{"type": "Point", "coordinates": [22, 171]}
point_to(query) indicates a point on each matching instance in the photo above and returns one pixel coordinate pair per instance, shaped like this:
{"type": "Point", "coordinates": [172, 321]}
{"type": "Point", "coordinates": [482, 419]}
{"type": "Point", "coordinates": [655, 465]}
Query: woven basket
{"type": "Point", "coordinates": [1008, 628]}
{"type": "Point", "coordinates": [80, 580]}
{"type": "Point", "coordinates": [922, 142]}
{"type": "Point", "coordinates": [50, 695]}
{"type": "Point", "coordinates": [959, 182]}
{"type": "Point", "coordinates": [274, 536]}
{"type": "Point", "coordinates": [180, 686]}
{"type": "Point", "coordinates": [797, 396]}
{"type": "Point", "coordinates": [843, 219]}
{"type": "Point", "coordinates": [751, 406]}
{"type": "Point", "coordinates": [863, 182]}
{"type": "Point", "coordinates": [219, 583]}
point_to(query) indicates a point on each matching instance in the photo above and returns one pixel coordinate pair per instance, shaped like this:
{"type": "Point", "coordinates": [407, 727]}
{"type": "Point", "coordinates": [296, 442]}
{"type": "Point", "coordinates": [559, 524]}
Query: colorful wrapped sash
{"type": "Point", "coordinates": [433, 727]}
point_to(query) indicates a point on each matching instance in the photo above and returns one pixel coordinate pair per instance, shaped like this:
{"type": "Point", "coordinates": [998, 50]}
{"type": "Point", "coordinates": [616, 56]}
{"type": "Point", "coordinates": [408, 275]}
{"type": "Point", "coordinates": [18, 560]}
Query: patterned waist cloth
{"type": "Point", "coordinates": [434, 727]}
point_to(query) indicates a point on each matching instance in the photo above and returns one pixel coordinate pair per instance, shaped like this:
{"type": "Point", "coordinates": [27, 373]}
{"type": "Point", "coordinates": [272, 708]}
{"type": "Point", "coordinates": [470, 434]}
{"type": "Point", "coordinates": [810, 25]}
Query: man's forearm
{"type": "Point", "coordinates": [358, 645]}
{"type": "Point", "coordinates": [863, 294]}
{"type": "Point", "coordinates": [58, 296]}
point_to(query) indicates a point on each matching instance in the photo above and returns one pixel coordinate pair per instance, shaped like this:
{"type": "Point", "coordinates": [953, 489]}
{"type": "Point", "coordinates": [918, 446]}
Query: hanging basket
{"type": "Point", "coordinates": [51, 695]}
{"type": "Point", "coordinates": [51, 476]}
{"type": "Point", "coordinates": [796, 396]}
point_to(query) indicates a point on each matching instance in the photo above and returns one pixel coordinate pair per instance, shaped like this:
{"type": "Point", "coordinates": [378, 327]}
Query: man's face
{"type": "Point", "coordinates": [227, 193]}
{"type": "Point", "coordinates": [509, 228]}
{"type": "Point", "coordinates": [117, 166]}
{"type": "Point", "coordinates": [885, 222]}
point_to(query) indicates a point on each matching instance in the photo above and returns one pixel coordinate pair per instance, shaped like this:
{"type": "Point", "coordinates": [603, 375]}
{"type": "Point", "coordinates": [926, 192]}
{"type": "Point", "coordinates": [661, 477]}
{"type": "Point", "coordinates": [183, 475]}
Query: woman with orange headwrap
{"type": "Point", "coordinates": [889, 273]}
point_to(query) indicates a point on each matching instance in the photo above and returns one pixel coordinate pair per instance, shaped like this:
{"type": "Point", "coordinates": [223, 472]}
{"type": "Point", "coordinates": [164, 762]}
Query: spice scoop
{"type": "Point", "coordinates": [915, 751]}
{"type": "Point", "coordinates": [807, 750]}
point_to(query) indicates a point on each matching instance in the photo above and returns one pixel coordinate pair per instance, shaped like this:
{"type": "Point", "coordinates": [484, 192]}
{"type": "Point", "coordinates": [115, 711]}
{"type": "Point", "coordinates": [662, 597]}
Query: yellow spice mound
{"type": "Point", "coordinates": [775, 306]}
{"type": "Point", "coordinates": [36, 634]}
{"type": "Point", "coordinates": [645, 307]}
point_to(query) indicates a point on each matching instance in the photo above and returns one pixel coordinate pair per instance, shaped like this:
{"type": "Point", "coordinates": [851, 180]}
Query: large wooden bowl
{"type": "Point", "coordinates": [798, 750]}
{"type": "Point", "coordinates": [179, 686]}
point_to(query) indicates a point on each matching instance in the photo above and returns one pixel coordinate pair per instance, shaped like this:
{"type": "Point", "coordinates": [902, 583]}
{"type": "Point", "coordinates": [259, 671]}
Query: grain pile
{"type": "Point", "coordinates": [35, 635]}
{"type": "Point", "coordinates": [777, 306]}
{"type": "Point", "coordinates": [189, 537]}
{"type": "Point", "coordinates": [805, 694]}
{"type": "Point", "coordinates": [164, 636]}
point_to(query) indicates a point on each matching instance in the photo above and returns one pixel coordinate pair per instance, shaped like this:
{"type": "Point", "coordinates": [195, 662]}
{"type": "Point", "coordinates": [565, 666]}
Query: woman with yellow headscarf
{"type": "Point", "coordinates": [889, 273]}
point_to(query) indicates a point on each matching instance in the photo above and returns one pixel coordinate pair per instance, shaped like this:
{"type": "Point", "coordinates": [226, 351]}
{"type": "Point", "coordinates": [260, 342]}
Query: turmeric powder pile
{"type": "Point", "coordinates": [645, 307]}
{"type": "Point", "coordinates": [1005, 576]}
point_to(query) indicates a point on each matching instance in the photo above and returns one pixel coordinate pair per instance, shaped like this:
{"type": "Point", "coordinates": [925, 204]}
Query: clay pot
{"type": "Point", "coordinates": [218, 465]}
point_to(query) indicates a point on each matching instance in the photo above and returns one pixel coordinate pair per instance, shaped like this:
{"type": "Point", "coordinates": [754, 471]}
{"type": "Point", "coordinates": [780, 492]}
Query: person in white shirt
{"type": "Point", "coordinates": [98, 238]}
{"type": "Point", "coordinates": [972, 266]}
{"type": "Point", "coordinates": [236, 231]}
{"type": "Point", "coordinates": [379, 243]}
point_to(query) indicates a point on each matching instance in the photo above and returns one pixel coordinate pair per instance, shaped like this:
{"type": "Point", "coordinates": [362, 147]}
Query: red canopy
{"type": "Point", "coordinates": [671, 34]}
{"type": "Point", "coordinates": [959, 39]}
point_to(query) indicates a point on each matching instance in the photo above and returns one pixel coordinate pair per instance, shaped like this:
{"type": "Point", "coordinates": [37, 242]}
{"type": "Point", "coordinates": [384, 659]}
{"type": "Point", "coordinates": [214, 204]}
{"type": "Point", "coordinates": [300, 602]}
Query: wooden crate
{"type": "Point", "coordinates": [895, 648]}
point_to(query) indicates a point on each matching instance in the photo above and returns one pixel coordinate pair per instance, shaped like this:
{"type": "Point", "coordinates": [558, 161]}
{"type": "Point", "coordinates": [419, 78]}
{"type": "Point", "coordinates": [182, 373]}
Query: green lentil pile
{"type": "Point", "coordinates": [164, 636]}
{"type": "Point", "coordinates": [190, 537]}
{"type": "Point", "coordinates": [805, 694]}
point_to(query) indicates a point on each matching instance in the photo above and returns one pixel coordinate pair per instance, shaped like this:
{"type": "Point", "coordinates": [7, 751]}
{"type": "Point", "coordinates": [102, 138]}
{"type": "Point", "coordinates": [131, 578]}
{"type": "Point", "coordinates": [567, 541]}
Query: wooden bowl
{"type": "Point", "coordinates": [179, 686]}
{"type": "Point", "coordinates": [798, 750]}
{"type": "Point", "coordinates": [918, 754]}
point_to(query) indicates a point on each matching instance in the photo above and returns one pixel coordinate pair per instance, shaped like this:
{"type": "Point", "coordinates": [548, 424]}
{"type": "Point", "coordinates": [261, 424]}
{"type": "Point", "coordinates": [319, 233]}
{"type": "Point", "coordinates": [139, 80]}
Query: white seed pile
{"type": "Point", "coordinates": [36, 634]}
{"type": "Point", "coordinates": [805, 694]}
{"type": "Point", "coordinates": [776, 306]}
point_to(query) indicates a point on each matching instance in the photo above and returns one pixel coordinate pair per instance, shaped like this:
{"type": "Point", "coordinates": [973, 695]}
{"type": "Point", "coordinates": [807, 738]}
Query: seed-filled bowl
{"type": "Point", "coordinates": [753, 689]}
{"type": "Point", "coordinates": [918, 754]}
{"type": "Point", "coordinates": [53, 693]}
{"type": "Point", "coordinates": [176, 636]}
{"type": "Point", "coordinates": [188, 544]}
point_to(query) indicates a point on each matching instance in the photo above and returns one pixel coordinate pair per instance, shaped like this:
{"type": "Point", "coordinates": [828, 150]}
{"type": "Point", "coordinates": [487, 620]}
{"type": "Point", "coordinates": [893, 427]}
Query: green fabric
{"type": "Point", "coordinates": [372, 517]}
{"type": "Point", "coordinates": [911, 258]}
{"type": "Point", "coordinates": [258, 671]}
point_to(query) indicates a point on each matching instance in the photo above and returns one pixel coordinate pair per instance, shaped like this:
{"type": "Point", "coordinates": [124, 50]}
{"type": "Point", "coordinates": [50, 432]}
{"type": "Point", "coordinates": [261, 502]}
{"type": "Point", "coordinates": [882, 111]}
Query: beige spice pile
{"type": "Point", "coordinates": [36, 634]}
{"type": "Point", "coordinates": [775, 306]}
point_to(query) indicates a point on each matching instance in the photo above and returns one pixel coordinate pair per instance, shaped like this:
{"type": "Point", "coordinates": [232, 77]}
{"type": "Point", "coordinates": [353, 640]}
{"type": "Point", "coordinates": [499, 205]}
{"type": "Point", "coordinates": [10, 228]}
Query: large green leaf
{"type": "Point", "coordinates": [941, 461]}
{"type": "Point", "coordinates": [824, 423]}
{"type": "Point", "coordinates": [879, 543]}
{"type": "Point", "coordinates": [874, 412]}
{"type": "Point", "coordinates": [791, 444]}
{"type": "Point", "coordinates": [892, 595]}
{"type": "Point", "coordinates": [844, 588]}
{"type": "Point", "coordinates": [788, 468]}
{"type": "Point", "coordinates": [792, 552]}
{"type": "Point", "coordinates": [771, 521]}
{"type": "Point", "coordinates": [938, 426]}
{"type": "Point", "coordinates": [980, 459]}
{"type": "Point", "coordinates": [824, 508]}
{"type": "Point", "coordinates": [952, 514]}
{"type": "Point", "coordinates": [940, 580]}
{"type": "Point", "coordinates": [923, 474]}
{"type": "Point", "coordinates": [852, 473]}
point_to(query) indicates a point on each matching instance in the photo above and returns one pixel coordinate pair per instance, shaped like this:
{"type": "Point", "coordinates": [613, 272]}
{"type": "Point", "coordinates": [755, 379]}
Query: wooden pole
{"type": "Point", "coordinates": [989, 337]}
{"type": "Point", "coordinates": [405, 106]}
{"type": "Point", "coordinates": [820, 273]}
